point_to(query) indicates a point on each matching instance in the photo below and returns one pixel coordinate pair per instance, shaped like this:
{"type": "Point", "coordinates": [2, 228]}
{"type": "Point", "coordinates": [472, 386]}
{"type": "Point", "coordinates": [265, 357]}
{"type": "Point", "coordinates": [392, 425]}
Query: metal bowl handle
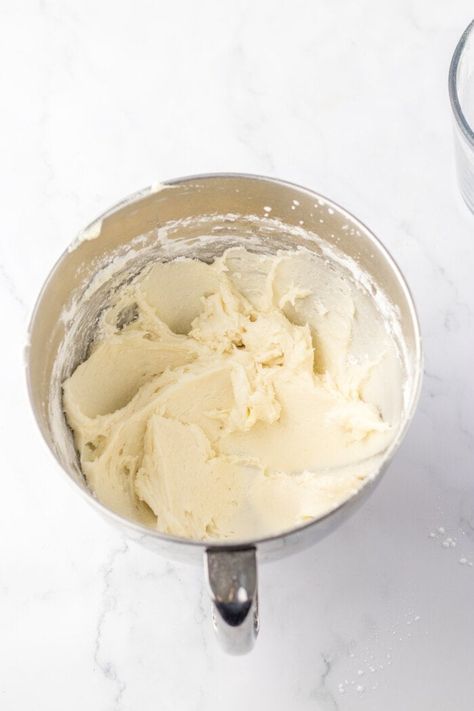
{"type": "Point", "coordinates": [232, 581]}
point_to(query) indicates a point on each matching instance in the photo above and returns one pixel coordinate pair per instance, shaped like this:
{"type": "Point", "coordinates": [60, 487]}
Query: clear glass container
{"type": "Point", "coordinates": [461, 93]}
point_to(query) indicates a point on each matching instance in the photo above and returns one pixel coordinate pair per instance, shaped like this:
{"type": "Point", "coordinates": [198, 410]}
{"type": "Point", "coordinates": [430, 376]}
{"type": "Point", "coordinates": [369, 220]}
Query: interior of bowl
{"type": "Point", "coordinates": [200, 218]}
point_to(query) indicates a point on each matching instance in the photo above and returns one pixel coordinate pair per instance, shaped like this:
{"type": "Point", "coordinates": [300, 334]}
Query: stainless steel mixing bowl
{"type": "Point", "coordinates": [269, 214]}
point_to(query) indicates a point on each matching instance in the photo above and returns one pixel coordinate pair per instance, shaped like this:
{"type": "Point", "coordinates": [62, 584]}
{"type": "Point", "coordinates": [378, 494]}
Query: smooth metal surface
{"type": "Point", "coordinates": [224, 206]}
{"type": "Point", "coordinates": [232, 582]}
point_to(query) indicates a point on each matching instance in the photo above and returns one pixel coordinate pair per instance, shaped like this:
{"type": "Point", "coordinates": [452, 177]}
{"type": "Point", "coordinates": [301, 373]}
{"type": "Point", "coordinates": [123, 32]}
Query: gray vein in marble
{"type": "Point", "coordinates": [322, 693]}
{"type": "Point", "coordinates": [251, 119]}
{"type": "Point", "coordinates": [430, 257]}
{"type": "Point", "coordinates": [11, 289]}
{"type": "Point", "coordinates": [108, 604]}
{"type": "Point", "coordinates": [203, 619]}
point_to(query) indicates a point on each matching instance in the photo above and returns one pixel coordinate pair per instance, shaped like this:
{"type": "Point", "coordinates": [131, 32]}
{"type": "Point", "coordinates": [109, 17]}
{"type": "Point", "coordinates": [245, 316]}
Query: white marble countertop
{"type": "Point", "coordinates": [350, 99]}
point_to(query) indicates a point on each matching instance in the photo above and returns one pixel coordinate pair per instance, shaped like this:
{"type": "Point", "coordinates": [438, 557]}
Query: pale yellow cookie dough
{"type": "Point", "coordinates": [235, 399]}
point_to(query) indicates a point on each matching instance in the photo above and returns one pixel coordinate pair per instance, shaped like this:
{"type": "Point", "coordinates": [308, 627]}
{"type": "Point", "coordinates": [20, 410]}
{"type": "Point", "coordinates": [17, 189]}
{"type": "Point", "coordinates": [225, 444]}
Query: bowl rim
{"type": "Point", "coordinates": [461, 120]}
{"type": "Point", "coordinates": [233, 544]}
